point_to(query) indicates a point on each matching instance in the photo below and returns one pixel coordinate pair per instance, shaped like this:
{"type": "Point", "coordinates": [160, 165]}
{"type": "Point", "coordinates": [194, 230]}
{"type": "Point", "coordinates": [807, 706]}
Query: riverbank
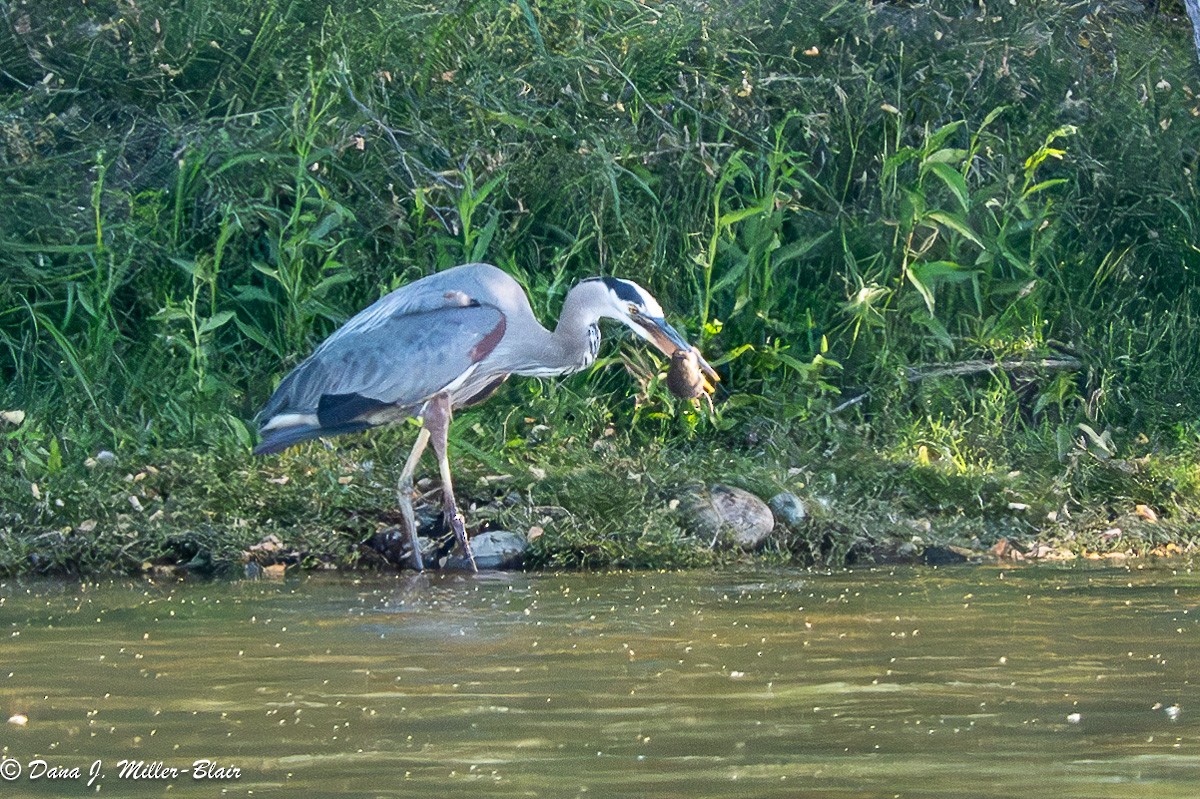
{"type": "Point", "coordinates": [944, 257]}
{"type": "Point", "coordinates": [607, 502]}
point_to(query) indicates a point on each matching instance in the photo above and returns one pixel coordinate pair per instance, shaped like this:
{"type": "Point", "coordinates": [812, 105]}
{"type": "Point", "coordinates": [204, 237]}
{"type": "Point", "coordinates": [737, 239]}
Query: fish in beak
{"type": "Point", "coordinates": [668, 340]}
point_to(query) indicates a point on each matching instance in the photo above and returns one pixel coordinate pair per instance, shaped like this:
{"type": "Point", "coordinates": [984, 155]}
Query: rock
{"type": "Point", "coordinates": [275, 571]}
{"type": "Point", "coordinates": [728, 515]}
{"type": "Point", "coordinates": [942, 556]}
{"type": "Point", "coordinates": [887, 551]}
{"type": "Point", "coordinates": [393, 544]}
{"type": "Point", "coordinates": [789, 510]}
{"type": "Point", "coordinates": [431, 522]}
{"type": "Point", "coordinates": [495, 549]}
{"type": "Point", "coordinates": [1006, 550]}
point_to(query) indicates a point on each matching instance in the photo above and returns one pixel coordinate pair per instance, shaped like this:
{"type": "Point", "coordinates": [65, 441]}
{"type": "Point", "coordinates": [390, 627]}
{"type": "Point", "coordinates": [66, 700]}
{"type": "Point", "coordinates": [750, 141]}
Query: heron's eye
{"type": "Point", "coordinates": [633, 310]}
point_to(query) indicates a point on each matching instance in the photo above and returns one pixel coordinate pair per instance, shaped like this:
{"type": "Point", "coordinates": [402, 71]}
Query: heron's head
{"type": "Point", "coordinates": [632, 305]}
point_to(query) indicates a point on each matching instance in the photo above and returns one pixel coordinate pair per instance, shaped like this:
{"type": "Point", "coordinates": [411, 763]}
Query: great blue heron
{"type": "Point", "coordinates": [440, 343]}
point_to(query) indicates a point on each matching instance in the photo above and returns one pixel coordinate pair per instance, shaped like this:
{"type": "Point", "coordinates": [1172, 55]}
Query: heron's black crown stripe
{"type": "Point", "coordinates": [623, 289]}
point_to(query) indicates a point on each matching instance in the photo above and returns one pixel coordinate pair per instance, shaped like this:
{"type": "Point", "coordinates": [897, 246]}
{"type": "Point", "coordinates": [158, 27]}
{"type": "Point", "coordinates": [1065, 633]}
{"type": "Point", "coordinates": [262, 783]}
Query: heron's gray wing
{"type": "Point", "coordinates": [364, 373]}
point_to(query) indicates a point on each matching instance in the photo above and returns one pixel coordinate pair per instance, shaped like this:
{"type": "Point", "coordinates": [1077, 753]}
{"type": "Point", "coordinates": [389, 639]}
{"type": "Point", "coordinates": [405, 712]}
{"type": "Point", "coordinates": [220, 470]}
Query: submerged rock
{"type": "Point", "coordinates": [495, 549]}
{"type": "Point", "coordinates": [727, 515]}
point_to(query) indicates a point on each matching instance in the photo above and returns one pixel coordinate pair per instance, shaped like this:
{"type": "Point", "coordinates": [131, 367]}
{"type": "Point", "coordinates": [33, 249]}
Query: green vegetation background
{"type": "Point", "coordinates": [825, 195]}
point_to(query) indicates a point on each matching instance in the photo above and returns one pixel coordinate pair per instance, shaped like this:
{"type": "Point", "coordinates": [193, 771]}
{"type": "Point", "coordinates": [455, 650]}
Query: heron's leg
{"type": "Point", "coordinates": [437, 420]}
{"type": "Point", "coordinates": [404, 492]}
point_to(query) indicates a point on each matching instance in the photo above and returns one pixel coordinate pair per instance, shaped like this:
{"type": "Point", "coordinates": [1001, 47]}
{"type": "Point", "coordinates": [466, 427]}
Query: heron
{"type": "Point", "coordinates": [444, 342]}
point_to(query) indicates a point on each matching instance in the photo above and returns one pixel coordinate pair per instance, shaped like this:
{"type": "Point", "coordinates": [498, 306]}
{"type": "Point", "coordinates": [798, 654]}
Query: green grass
{"type": "Point", "coordinates": [194, 195]}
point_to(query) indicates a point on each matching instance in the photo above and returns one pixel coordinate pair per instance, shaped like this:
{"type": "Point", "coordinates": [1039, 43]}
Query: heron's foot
{"type": "Point", "coordinates": [460, 532]}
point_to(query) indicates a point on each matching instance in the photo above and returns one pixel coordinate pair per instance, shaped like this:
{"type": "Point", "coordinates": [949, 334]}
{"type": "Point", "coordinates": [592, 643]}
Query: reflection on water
{"type": "Point", "coordinates": [972, 682]}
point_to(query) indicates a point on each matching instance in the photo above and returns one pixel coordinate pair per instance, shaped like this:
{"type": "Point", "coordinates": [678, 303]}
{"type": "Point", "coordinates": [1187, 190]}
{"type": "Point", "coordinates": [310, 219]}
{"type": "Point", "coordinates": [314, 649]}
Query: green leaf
{"type": "Point", "coordinates": [638, 180]}
{"type": "Point", "coordinates": [484, 240]}
{"type": "Point", "coordinates": [944, 271]}
{"type": "Point", "coordinates": [1064, 440]}
{"type": "Point", "coordinates": [246, 293]}
{"type": "Point", "coordinates": [936, 328]}
{"type": "Point", "coordinates": [266, 270]}
{"type": "Point", "coordinates": [953, 180]}
{"type": "Point", "coordinates": [252, 157]}
{"type": "Point", "coordinates": [922, 286]}
{"type": "Point", "coordinates": [733, 217]}
{"type": "Point", "coordinates": [736, 260]}
{"type": "Point", "coordinates": [531, 21]}
{"type": "Point", "coordinates": [258, 336]}
{"type": "Point", "coordinates": [186, 265]}
{"type": "Point", "coordinates": [898, 159]}
{"type": "Point", "coordinates": [487, 188]}
{"type": "Point", "coordinates": [215, 321]}
{"type": "Point", "coordinates": [955, 223]}
{"type": "Point", "coordinates": [171, 313]}
{"type": "Point", "coordinates": [325, 227]}
{"type": "Point", "coordinates": [520, 123]}
{"type": "Point", "coordinates": [54, 458]}
{"type": "Point", "coordinates": [1045, 184]}
{"type": "Point", "coordinates": [794, 363]}
{"type": "Point", "coordinates": [926, 276]}
{"type": "Point", "coordinates": [992, 115]}
{"type": "Point", "coordinates": [240, 431]}
{"type": "Point", "coordinates": [948, 155]}
{"type": "Point", "coordinates": [329, 281]}
{"type": "Point", "coordinates": [941, 134]}
{"type": "Point", "coordinates": [797, 249]}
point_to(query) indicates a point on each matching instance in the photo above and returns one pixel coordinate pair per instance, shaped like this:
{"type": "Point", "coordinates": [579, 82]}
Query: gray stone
{"type": "Point", "coordinates": [495, 549]}
{"type": "Point", "coordinates": [727, 515]}
{"type": "Point", "coordinates": [790, 511]}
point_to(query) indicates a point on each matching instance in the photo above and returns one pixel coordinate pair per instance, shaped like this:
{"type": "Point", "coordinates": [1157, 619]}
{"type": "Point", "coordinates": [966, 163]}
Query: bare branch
{"type": "Point", "coordinates": [963, 368]}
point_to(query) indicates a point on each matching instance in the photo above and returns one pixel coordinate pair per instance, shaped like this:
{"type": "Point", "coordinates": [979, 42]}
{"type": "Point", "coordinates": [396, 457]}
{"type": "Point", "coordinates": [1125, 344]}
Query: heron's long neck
{"type": "Point", "coordinates": [573, 344]}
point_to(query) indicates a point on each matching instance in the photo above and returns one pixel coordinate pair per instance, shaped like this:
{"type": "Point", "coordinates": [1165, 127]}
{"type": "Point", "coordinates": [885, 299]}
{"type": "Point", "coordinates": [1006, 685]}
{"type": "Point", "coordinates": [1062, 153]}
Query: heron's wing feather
{"type": "Point", "coordinates": [392, 365]}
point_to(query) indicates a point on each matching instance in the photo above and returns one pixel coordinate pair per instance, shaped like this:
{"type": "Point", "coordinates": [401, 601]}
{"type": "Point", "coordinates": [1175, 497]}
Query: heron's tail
{"type": "Point", "coordinates": [280, 438]}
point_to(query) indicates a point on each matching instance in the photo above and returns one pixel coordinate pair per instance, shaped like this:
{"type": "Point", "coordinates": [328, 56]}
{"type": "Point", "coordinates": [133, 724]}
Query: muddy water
{"type": "Point", "coordinates": [979, 682]}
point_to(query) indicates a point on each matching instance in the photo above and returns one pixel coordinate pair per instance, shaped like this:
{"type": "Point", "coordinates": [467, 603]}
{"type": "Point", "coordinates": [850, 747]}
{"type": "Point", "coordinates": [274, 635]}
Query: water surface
{"type": "Point", "coordinates": [972, 682]}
